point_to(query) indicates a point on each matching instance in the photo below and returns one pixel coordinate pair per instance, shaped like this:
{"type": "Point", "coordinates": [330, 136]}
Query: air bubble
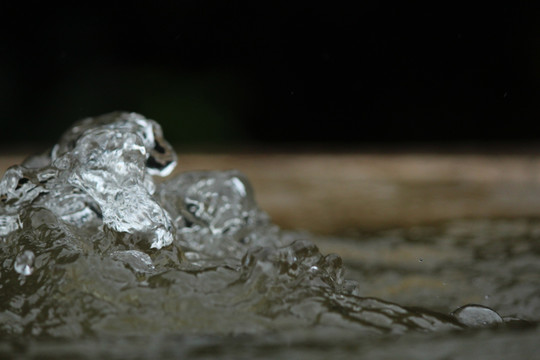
{"type": "Point", "coordinates": [477, 316]}
{"type": "Point", "coordinates": [23, 263]}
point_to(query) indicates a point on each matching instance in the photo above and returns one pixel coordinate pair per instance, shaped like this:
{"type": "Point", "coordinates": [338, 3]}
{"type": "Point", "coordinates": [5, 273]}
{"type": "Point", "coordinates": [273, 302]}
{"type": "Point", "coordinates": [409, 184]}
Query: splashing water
{"type": "Point", "coordinates": [92, 245]}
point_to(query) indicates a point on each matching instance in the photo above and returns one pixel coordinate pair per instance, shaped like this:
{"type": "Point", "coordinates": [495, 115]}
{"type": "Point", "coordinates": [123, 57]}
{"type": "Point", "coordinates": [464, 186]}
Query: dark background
{"type": "Point", "coordinates": [250, 73]}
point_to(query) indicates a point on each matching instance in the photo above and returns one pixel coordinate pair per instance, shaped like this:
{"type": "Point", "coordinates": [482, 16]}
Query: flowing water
{"type": "Point", "coordinates": [98, 260]}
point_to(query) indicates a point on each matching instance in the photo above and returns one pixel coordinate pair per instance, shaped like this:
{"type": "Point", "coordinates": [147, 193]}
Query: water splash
{"type": "Point", "coordinates": [99, 172]}
{"type": "Point", "coordinates": [91, 245]}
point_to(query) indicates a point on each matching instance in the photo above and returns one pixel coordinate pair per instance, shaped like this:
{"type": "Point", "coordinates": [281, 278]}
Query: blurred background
{"type": "Point", "coordinates": [250, 74]}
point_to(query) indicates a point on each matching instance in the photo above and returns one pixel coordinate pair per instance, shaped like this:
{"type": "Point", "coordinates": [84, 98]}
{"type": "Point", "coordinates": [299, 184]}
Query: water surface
{"type": "Point", "coordinates": [101, 261]}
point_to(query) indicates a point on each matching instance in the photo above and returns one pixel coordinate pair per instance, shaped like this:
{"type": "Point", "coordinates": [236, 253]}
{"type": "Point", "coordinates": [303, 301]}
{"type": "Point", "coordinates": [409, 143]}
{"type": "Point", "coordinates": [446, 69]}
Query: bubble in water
{"type": "Point", "coordinates": [477, 316]}
{"type": "Point", "coordinates": [23, 263]}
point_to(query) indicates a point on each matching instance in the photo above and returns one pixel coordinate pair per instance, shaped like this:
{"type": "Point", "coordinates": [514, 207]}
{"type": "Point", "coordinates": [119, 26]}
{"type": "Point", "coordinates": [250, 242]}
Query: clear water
{"type": "Point", "coordinates": [99, 260]}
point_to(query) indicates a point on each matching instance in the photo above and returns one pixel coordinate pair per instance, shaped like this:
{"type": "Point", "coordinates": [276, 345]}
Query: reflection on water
{"type": "Point", "coordinates": [97, 254]}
